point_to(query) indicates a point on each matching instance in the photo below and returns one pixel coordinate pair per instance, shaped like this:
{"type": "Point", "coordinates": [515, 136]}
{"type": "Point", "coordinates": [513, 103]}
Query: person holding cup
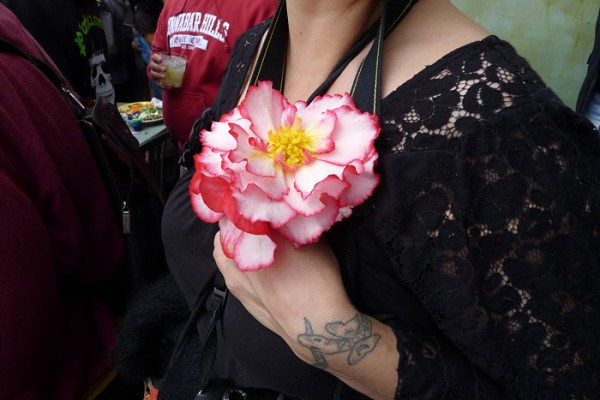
{"type": "Point", "coordinates": [191, 46]}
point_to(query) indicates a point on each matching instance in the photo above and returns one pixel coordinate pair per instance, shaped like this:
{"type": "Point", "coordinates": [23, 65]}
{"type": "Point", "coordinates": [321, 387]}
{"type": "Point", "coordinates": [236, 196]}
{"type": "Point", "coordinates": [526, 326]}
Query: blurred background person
{"type": "Point", "coordinates": [145, 19]}
{"type": "Point", "coordinates": [126, 68]}
{"type": "Point", "coordinates": [71, 32]}
{"type": "Point", "coordinates": [146, 16]}
{"type": "Point", "coordinates": [204, 32]}
{"type": "Point", "coordinates": [89, 41]}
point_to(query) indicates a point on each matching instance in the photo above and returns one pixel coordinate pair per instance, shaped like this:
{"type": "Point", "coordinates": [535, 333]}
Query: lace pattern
{"type": "Point", "coordinates": [498, 234]}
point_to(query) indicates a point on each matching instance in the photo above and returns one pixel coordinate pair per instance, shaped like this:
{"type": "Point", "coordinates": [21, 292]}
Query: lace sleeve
{"type": "Point", "coordinates": [499, 238]}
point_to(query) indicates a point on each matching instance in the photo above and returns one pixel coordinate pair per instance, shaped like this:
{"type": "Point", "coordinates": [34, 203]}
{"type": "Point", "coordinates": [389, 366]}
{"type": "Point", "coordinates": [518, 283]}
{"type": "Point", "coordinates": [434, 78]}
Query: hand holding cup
{"type": "Point", "coordinates": [168, 70]}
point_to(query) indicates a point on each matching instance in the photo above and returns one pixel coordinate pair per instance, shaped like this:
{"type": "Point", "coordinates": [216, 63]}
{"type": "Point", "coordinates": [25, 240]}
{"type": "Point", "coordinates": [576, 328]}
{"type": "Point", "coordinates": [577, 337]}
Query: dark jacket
{"type": "Point", "coordinates": [59, 241]}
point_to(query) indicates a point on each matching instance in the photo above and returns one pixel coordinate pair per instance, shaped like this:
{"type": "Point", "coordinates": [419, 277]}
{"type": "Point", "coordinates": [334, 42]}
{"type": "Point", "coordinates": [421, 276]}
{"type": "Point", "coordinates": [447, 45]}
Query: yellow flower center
{"type": "Point", "coordinates": [288, 144]}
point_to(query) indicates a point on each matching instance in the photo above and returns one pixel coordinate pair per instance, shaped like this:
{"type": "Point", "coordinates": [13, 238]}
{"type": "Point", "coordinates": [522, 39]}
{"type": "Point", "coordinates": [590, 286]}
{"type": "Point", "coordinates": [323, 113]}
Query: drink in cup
{"type": "Point", "coordinates": [175, 70]}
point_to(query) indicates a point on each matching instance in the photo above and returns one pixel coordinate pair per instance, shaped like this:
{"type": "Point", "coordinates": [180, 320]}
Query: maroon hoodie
{"type": "Point", "coordinates": [203, 31]}
{"type": "Point", "coordinates": [58, 239]}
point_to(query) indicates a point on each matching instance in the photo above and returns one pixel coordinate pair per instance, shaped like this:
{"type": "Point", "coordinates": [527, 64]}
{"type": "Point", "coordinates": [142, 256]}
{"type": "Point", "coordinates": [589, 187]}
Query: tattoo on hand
{"type": "Point", "coordinates": [354, 336]}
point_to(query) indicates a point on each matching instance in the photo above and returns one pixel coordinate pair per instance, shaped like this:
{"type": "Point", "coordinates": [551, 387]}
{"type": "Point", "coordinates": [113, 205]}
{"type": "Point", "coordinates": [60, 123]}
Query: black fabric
{"type": "Point", "coordinates": [194, 145]}
{"type": "Point", "coordinates": [203, 244]}
{"type": "Point", "coordinates": [481, 240]}
{"type": "Point", "coordinates": [591, 82]}
{"type": "Point", "coordinates": [150, 330]}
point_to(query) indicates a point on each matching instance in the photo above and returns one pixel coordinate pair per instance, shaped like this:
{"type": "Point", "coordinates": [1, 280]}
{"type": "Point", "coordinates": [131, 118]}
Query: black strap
{"type": "Point", "coordinates": [366, 90]}
{"type": "Point", "coordinates": [274, 51]}
{"type": "Point", "coordinates": [209, 349]}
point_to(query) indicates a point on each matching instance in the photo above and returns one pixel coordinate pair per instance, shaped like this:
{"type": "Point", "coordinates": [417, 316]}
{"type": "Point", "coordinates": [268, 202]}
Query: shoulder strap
{"type": "Point", "coordinates": [209, 348]}
{"type": "Point", "coordinates": [366, 90]}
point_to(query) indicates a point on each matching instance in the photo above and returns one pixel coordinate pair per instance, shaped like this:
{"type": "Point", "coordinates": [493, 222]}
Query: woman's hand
{"type": "Point", "coordinates": [157, 70]}
{"type": "Point", "coordinates": [303, 283]}
{"type": "Point", "coordinates": [301, 298]}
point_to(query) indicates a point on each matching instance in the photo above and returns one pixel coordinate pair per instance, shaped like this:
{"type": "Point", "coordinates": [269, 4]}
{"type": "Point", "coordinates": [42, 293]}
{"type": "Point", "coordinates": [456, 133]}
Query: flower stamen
{"type": "Point", "coordinates": [290, 145]}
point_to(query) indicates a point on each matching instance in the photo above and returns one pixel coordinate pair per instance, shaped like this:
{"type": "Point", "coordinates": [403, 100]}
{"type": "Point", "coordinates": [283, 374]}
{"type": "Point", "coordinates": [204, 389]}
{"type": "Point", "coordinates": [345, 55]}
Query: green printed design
{"type": "Point", "coordinates": [89, 21]}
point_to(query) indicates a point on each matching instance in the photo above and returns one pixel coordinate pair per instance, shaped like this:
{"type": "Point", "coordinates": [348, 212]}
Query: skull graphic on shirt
{"type": "Point", "coordinates": [100, 77]}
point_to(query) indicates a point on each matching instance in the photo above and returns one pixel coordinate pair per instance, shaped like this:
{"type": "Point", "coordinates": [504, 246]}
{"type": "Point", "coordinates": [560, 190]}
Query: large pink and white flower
{"type": "Point", "coordinates": [272, 166]}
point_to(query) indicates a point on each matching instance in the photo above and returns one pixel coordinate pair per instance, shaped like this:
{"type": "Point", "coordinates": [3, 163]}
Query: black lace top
{"type": "Point", "coordinates": [480, 246]}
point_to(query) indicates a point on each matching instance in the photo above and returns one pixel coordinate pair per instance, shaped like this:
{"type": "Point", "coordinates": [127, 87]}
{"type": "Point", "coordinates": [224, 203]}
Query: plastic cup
{"type": "Point", "coordinates": [136, 124]}
{"type": "Point", "coordinates": [175, 70]}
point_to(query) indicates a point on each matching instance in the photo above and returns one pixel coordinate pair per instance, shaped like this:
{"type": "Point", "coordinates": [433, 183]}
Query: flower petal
{"type": "Point", "coordinates": [229, 235]}
{"type": "Point", "coordinates": [253, 252]}
{"type": "Point", "coordinates": [261, 164]}
{"type": "Point", "coordinates": [320, 131]}
{"type": "Point", "coordinates": [288, 116]}
{"type": "Point", "coordinates": [312, 204]}
{"type": "Point", "coordinates": [247, 143]}
{"type": "Point", "coordinates": [215, 192]}
{"type": "Point", "coordinates": [251, 151]}
{"type": "Point", "coordinates": [307, 177]}
{"type": "Point", "coordinates": [219, 137]}
{"type": "Point", "coordinates": [303, 230]}
{"type": "Point", "coordinates": [328, 102]}
{"type": "Point", "coordinates": [361, 185]}
{"type": "Point", "coordinates": [263, 106]}
{"type": "Point", "coordinates": [250, 252]}
{"type": "Point", "coordinates": [233, 214]}
{"type": "Point", "coordinates": [255, 205]}
{"type": "Point", "coordinates": [354, 135]}
{"type": "Point", "coordinates": [208, 161]}
{"type": "Point", "coordinates": [201, 210]}
{"type": "Point", "coordinates": [275, 187]}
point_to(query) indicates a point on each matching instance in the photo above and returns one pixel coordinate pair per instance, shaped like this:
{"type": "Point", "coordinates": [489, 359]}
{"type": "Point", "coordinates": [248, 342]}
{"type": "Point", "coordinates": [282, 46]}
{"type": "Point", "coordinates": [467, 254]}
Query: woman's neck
{"type": "Point", "coordinates": [321, 32]}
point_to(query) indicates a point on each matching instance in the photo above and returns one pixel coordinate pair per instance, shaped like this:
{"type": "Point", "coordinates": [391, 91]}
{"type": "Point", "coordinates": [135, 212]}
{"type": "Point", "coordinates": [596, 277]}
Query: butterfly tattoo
{"type": "Point", "coordinates": [354, 336]}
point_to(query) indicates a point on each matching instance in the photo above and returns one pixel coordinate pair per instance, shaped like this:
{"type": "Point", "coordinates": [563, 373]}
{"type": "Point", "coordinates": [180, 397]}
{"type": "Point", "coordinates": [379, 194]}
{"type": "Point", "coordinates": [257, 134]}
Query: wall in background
{"type": "Point", "coordinates": [555, 36]}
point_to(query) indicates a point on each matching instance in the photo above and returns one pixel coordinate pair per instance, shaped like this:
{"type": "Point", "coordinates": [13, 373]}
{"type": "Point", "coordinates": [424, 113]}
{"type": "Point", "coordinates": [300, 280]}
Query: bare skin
{"type": "Point", "coordinates": [301, 297]}
{"type": "Point", "coordinates": [432, 29]}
